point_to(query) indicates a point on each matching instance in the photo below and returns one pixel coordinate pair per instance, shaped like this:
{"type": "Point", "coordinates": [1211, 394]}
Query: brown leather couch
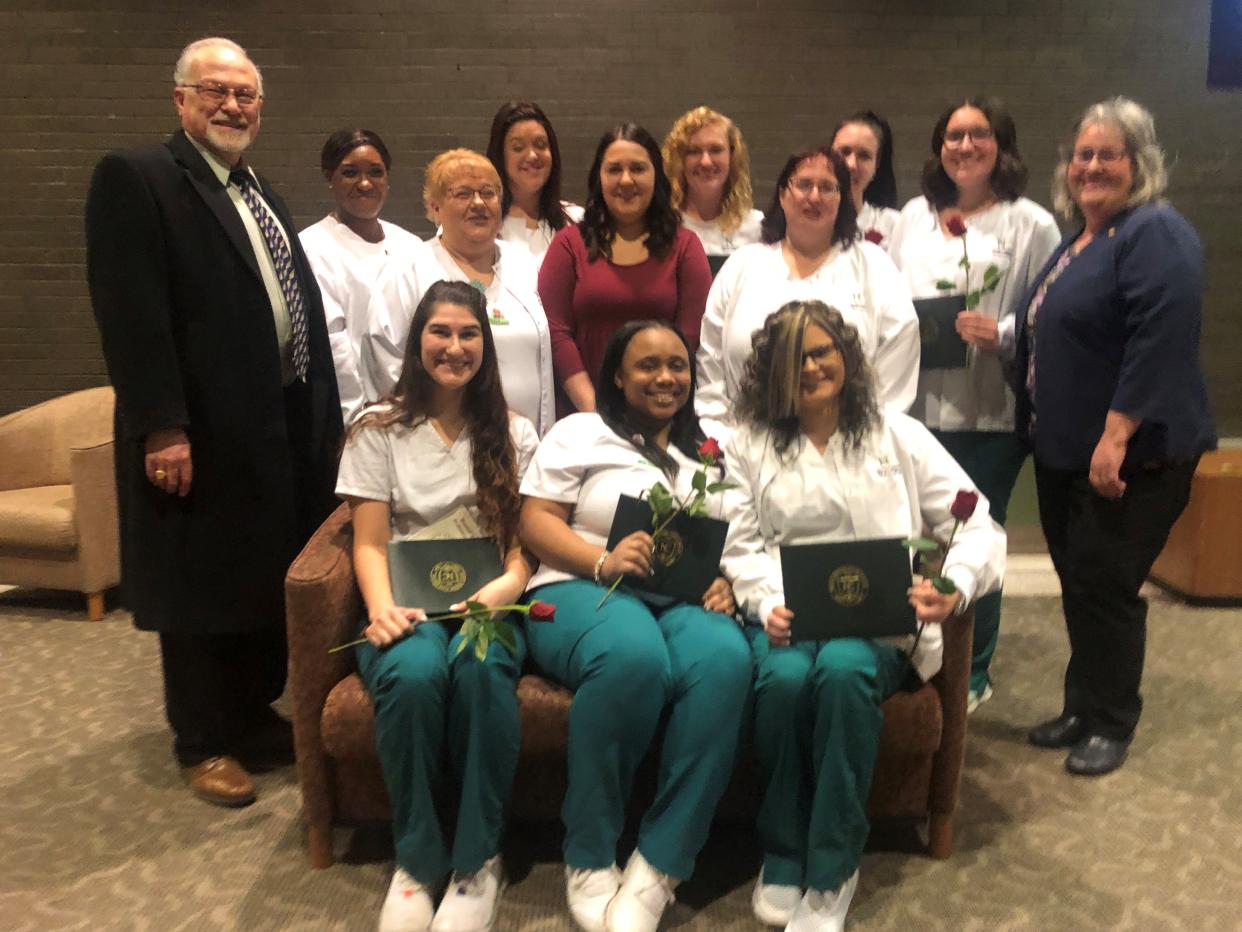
{"type": "Point", "coordinates": [916, 777]}
{"type": "Point", "coordinates": [58, 515]}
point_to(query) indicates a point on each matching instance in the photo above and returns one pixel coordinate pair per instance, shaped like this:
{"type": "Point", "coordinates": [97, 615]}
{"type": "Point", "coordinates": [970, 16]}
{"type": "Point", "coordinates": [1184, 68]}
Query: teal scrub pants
{"type": "Point", "coordinates": [817, 732]}
{"type": "Point", "coordinates": [993, 460]}
{"type": "Point", "coordinates": [435, 710]}
{"type": "Point", "coordinates": [628, 664]}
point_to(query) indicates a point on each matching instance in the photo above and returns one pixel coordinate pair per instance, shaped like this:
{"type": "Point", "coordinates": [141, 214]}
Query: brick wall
{"type": "Point", "coordinates": [75, 82]}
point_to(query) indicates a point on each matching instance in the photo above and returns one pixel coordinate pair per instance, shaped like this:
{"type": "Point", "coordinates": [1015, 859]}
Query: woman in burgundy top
{"type": "Point", "coordinates": [628, 259]}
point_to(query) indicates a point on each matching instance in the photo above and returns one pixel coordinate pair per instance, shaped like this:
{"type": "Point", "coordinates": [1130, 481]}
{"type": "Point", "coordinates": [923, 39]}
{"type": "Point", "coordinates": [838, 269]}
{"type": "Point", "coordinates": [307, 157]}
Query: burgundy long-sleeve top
{"type": "Point", "coordinates": [587, 301]}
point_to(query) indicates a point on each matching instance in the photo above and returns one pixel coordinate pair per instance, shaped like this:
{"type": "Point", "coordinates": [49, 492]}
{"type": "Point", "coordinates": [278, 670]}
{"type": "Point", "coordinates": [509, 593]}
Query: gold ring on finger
{"type": "Point", "coordinates": [160, 474]}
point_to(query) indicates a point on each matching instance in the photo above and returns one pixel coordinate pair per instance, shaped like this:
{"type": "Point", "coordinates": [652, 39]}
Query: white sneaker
{"type": "Point", "coordinates": [589, 892]}
{"type": "Point", "coordinates": [408, 906]}
{"type": "Point", "coordinates": [974, 699]}
{"type": "Point", "coordinates": [823, 912]}
{"type": "Point", "coordinates": [471, 901]}
{"type": "Point", "coordinates": [774, 903]}
{"type": "Point", "coordinates": [645, 893]}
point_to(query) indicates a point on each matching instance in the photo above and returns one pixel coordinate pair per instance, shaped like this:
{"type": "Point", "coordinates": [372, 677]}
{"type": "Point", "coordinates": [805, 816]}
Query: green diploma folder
{"type": "Point", "coordinates": [941, 347]}
{"type": "Point", "coordinates": [435, 574]}
{"type": "Point", "coordinates": [686, 556]}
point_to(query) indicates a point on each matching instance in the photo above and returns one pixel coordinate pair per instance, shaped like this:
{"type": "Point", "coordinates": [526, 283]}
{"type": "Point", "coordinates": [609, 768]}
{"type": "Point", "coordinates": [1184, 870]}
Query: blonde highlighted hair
{"type": "Point", "coordinates": [737, 199]}
{"type": "Point", "coordinates": [443, 169]}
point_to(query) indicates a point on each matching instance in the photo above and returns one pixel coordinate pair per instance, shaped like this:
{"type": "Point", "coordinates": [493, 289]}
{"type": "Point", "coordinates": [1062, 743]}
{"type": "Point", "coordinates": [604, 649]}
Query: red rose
{"type": "Point", "coordinates": [956, 225]}
{"type": "Point", "coordinates": [542, 611]}
{"type": "Point", "coordinates": [710, 447]}
{"type": "Point", "coordinates": [964, 504]}
{"type": "Point", "coordinates": [874, 236]}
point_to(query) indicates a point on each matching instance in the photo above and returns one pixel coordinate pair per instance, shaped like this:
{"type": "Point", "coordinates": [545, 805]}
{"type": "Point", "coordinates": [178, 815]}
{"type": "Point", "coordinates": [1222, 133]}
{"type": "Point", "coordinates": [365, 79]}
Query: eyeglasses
{"type": "Point", "coordinates": [217, 93]}
{"type": "Point", "coordinates": [977, 134]}
{"type": "Point", "coordinates": [1085, 156]}
{"type": "Point", "coordinates": [804, 186]}
{"type": "Point", "coordinates": [466, 195]}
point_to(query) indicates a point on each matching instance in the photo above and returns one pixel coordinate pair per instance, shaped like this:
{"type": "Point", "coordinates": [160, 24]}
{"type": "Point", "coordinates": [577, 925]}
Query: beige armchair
{"type": "Point", "coordinates": [58, 516]}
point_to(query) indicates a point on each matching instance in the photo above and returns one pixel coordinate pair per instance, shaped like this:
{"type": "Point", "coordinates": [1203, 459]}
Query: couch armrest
{"type": "Point", "coordinates": [951, 683]}
{"type": "Point", "coordinates": [322, 609]}
{"type": "Point", "coordinates": [93, 477]}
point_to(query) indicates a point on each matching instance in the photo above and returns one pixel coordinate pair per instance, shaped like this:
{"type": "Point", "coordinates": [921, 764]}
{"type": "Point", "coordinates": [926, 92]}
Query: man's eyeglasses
{"type": "Point", "coordinates": [977, 134]}
{"type": "Point", "coordinates": [218, 93]}
{"type": "Point", "coordinates": [466, 195]}
{"type": "Point", "coordinates": [805, 186]}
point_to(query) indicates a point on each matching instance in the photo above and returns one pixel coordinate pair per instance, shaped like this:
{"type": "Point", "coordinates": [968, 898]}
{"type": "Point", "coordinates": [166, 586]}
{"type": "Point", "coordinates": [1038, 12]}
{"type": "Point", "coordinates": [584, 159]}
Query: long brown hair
{"type": "Point", "coordinates": [494, 458]}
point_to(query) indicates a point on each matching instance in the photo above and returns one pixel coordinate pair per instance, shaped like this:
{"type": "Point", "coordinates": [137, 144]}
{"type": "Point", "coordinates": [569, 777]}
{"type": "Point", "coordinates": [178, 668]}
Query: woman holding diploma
{"type": "Point", "coordinates": [443, 439]}
{"type": "Point", "coordinates": [816, 460]}
{"type": "Point", "coordinates": [631, 658]}
{"type": "Point", "coordinates": [972, 210]}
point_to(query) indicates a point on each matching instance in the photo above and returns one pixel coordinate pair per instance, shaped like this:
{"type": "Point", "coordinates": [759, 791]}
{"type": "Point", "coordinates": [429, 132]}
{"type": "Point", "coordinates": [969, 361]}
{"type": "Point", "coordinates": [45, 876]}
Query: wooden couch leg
{"type": "Point", "coordinates": [319, 843]}
{"type": "Point", "coordinates": [95, 606]}
{"type": "Point", "coordinates": [940, 835]}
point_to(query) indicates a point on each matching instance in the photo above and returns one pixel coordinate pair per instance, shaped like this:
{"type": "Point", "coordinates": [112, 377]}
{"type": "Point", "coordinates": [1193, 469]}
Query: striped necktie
{"type": "Point", "coordinates": [286, 274]}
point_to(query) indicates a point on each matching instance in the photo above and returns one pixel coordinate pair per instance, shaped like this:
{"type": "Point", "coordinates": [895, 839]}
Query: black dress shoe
{"type": "Point", "coordinates": [1096, 755]}
{"type": "Point", "coordinates": [1063, 731]}
{"type": "Point", "coordinates": [268, 745]}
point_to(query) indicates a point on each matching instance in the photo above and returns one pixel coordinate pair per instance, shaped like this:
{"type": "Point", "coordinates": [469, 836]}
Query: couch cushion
{"type": "Point", "coordinates": [39, 519]}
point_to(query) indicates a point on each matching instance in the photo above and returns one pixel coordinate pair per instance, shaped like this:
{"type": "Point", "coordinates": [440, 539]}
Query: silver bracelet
{"type": "Point", "coordinates": [599, 568]}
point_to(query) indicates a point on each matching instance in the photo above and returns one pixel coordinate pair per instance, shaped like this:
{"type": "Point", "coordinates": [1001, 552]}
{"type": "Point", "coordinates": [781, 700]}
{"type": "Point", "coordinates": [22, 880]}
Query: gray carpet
{"type": "Point", "coordinates": [97, 832]}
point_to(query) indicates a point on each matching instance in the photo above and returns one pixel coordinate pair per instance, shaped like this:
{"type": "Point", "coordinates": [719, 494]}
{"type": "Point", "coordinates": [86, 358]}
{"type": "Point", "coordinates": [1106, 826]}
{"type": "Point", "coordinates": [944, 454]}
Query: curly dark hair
{"type": "Point", "coordinates": [662, 221]}
{"type": "Point", "coordinates": [768, 394]}
{"type": "Point", "coordinates": [1008, 179]}
{"type": "Point", "coordinates": [551, 211]}
{"type": "Point", "coordinates": [685, 434]}
{"type": "Point", "coordinates": [493, 454]}
{"type": "Point", "coordinates": [882, 191]}
{"type": "Point", "coordinates": [345, 141]}
{"type": "Point", "coordinates": [845, 230]}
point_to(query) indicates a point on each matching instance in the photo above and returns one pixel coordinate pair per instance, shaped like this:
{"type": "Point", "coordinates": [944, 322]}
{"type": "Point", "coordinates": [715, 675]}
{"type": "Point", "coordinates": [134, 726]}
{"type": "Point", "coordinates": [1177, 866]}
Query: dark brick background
{"type": "Point", "coordinates": [78, 78]}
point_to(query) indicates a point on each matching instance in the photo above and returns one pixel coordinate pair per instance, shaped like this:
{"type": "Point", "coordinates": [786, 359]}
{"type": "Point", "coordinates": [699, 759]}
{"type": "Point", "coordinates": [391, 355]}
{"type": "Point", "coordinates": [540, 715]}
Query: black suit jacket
{"type": "Point", "coordinates": [190, 341]}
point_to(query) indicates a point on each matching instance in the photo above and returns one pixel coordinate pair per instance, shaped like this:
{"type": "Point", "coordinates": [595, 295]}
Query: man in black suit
{"type": "Point", "coordinates": [227, 420]}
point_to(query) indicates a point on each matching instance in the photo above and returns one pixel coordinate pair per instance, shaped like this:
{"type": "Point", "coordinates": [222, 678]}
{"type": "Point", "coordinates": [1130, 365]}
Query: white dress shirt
{"type": "Point", "coordinates": [537, 238]}
{"type": "Point", "coordinates": [716, 242]}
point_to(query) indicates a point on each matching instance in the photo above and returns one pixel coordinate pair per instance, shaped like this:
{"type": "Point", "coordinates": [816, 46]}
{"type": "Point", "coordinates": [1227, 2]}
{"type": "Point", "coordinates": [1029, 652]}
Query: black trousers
{"type": "Point", "coordinates": [1103, 550]}
{"type": "Point", "coordinates": [218, 689]}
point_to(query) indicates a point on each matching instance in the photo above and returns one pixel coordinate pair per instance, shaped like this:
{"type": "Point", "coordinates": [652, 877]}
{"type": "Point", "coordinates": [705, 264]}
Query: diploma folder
{"type": "Point", "coordinates": [940, 345]}
{"type": "Point", "coordinates": [435, 574]}
{"type": "Point", "coordinates": [686, 556]}
{"type": "Point", "coordinates": [853, 588]}
{"type": "Point", "coordinates": [715, 263]}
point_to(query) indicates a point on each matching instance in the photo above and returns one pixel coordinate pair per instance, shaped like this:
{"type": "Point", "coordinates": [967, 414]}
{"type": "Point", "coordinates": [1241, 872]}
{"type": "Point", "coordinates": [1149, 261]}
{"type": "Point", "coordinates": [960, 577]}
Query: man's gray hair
{"type": "Point", "coordinates": [181, 71]}
{"type": "Point", "coordinates": [1138, 129]}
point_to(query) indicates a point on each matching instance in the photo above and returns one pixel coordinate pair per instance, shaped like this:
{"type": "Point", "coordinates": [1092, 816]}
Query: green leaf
{"type": "Point", "coordinates": [504, 634]}
{"type": "Point", "coordinates": [944, 585]}
{"type": "Point", "coordinates": [661, 501]}
{"type": "Point", "coordinates": [944, 285]}
{"type": "Point", "coordinates": [964, 262]}
{"type": "Point", "coordinates": [991, 277]}
{"type": "Point", "coordinates": [475, 606]}
{"type": "Point", "coordinates": [461, 645]}
{"type": "Point", "coordinates": [921, 543]}
{"type": "Point", "coordinates": [699, 481]}
{"type": "Point", "coordinates": [972, 300]}
{"type": "Point", "coordinates": [697, 508]}
{"type": "Point", "coordinates": [481, 645]}
{"type": "Point", "coordinates": [715, 487]}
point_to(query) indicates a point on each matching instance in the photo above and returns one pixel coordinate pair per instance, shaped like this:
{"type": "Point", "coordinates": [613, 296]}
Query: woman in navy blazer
{"type": "Point", "coordinates": [1111, 398]}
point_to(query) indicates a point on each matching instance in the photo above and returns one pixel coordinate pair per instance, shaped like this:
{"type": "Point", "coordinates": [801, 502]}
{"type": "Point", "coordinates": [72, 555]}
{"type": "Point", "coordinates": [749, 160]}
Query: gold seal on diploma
{"type": "Point", "coordinates": [848, 586]}
{"type": "Point", "coordinates": [447, 576]}
{"type": "Point", "coordinates": [668, 547]}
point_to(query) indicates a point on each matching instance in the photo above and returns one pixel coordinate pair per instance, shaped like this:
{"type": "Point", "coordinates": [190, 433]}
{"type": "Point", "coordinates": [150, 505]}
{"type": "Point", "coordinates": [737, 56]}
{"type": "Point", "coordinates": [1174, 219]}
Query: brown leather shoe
{"type": "Point", "coordinates": [221, 781]}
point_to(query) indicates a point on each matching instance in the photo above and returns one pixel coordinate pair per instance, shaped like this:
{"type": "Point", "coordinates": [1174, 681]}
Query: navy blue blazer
{"type": "Point", "coordinates": [1119, 330]}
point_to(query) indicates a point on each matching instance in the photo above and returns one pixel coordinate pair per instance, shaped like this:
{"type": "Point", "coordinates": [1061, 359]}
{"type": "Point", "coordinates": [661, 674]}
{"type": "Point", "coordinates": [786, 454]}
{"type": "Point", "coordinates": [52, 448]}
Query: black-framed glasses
{"type": "Point", "coordinates": [218, 93]}
{"type": "Point", "coordinates": [805, 186]}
